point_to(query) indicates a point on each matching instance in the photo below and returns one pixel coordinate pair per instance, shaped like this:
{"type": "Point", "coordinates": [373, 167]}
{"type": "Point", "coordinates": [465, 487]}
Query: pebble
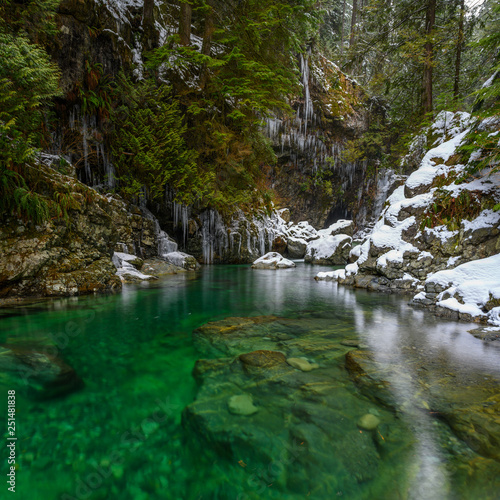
{"type": "Point", "coordinates": [302, 364]}
{"type": "Point", "coordinates": [368, 422]}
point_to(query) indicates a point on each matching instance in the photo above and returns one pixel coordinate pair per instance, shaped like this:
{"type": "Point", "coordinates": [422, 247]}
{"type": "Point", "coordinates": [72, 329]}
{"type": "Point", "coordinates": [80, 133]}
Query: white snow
{"type": "Point", "coordinates": [338, 227]}
{"type": "Point", "coordinates": [302, 230]}
{"type": "Point", "coordinates": [177, 258]}
{"type": "Point", "coordinates": [489, 81]}
{"type": "Point", "coordinates": [325, 247]}
{"type": "Point", "coordinates": [330, 275]}
{"type": "Point", "coordinates": [470, 286]}
{"type": "Point", "coordinates": [125, 270]}
{"type": "Point", "coordinates": [430, 169]}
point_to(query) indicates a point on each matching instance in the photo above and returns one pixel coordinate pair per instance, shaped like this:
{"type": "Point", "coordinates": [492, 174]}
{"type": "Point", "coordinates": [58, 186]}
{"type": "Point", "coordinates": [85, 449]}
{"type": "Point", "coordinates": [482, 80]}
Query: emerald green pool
{"type": "Point", "coordinates": [121, 436]}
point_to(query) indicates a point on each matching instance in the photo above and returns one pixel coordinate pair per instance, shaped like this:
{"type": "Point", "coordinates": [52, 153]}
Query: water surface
{"type": "Point", "coordinates": [121, 436]}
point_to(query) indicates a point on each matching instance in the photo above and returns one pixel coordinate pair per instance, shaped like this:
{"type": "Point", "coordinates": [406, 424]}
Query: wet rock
{"type": "Point", "coordinates": [304, 423]}
{"type": "Point", "coordinates": [160, 267]}
{"type": "Point", "coordinates": [256, 361]}
{"type": "Point", "coordinates": [241, 405]}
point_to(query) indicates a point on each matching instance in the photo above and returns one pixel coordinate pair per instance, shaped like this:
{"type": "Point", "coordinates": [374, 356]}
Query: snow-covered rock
{"type": "Point", "coordinates": [342, 226]}
{"type": "Point", "coordinates": [439, 233]}
{"type": "Point", "coordinates": [472, 290]}
{"type": "Point", "coordinates": [330, 275]}
{"type": "Point", "coordinates": [272, 260]}
{"type": "Point", "coordinates": [183, 260]}
{"type": "Point", "coordinates": [332, 250]}
{"type": "Point", "coordinates": [127, 268]}
{"type": "Point", "coordinates": [303, 230]}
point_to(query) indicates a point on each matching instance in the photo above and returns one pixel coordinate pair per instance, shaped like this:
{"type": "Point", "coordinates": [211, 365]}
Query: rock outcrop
{"type": "Point", "coordinates": [65, 256]}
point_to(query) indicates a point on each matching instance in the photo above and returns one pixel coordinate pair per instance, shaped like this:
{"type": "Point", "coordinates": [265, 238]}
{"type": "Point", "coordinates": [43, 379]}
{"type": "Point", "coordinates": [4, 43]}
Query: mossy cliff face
{"type": "Point", "coordinates": [62, 256]}
{"type": "Point", "coordinates": [89, 31]}
{"type": "Point", "coordinates": [315, 176]}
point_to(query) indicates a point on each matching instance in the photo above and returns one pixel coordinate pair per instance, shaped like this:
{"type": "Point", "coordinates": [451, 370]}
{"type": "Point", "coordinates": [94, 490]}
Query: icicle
{"type": "Point", "coordinates": [86, 151]}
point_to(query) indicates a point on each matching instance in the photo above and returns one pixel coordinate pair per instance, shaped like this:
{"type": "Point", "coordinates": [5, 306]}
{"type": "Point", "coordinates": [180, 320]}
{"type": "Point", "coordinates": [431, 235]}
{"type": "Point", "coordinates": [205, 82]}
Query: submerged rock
{"type": "Point", "coordinates": [38, 372]}
{"type": "Point", "coordinates": [302, 364]}
{"type": "Point", "coordinates": [272, 260]}
{"type": "Point", "coordinates": [305, 423]}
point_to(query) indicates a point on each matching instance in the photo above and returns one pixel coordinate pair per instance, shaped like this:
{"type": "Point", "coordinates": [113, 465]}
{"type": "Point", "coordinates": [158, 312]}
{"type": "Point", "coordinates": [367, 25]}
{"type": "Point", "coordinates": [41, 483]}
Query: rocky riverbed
{"type": "Point", "coordinates": [296, 399]}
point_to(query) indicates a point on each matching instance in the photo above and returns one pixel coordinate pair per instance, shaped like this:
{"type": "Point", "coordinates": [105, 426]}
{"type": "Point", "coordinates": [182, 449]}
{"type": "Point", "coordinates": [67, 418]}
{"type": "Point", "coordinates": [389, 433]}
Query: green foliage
{"type": "Point", "coordinates": [28, 82]}
{"type": "Point", "coordinates": [148, 146]}
{"type": "Point", "coordinates": [95, 93]}
{"type": "Point", "coordinates": [246, 71]}
{"type": "Point", "coordinates": [450, 211]}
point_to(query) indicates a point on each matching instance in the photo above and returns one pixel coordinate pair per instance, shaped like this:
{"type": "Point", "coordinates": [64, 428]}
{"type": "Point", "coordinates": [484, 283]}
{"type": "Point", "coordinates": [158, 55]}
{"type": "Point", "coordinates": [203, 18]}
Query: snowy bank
{"type": "Point", "coordinates": [439, 233]}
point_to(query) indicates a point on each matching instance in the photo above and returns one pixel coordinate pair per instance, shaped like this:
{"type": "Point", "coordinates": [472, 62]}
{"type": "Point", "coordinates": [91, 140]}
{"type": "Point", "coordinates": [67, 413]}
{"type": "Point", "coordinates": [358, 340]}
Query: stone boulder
{"type": "Point", "coordinates": [272, 260]}
{"type": "Point", "coordinates": [296, 248]}
{"type": "Point", "coordinates": [303, 230]}
{"type": "Point", "coordinates": [127, 268]}
{"type": "Point", "coordinates": [37, 370]}
{"type": "Point", "coordinates": [329, 250]}
{"type": "Point", "coordinates": [160, 267]}
{"type": "Point", "coordinates": [181, 259]}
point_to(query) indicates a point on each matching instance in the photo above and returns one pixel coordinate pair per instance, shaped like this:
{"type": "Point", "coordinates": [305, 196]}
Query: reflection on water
{"type": "Point", "coordinates": [134, 349]}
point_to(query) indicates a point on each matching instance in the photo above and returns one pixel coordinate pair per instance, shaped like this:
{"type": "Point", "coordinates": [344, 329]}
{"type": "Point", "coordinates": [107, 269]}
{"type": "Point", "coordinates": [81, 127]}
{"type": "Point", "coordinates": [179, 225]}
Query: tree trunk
{"type": "Point", "coordinates": [150, 35]}
{"type": "Point", "coordinates": [185, 23]}
{"type": "Point", "coordinates": [460, 41]}
{"type": "Point", "coordinates": [353, 21]}
{"type": "Point", "coordinates": [342, 29]}
{"type": "Point", "coordinates": [207, 41]}
{"type": "Point", "coordinates": [430, 19]}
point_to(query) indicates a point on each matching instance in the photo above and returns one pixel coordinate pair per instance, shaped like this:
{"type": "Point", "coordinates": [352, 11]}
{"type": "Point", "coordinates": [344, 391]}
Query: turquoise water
{"type": "Point", "coordinates": [121, 435]}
